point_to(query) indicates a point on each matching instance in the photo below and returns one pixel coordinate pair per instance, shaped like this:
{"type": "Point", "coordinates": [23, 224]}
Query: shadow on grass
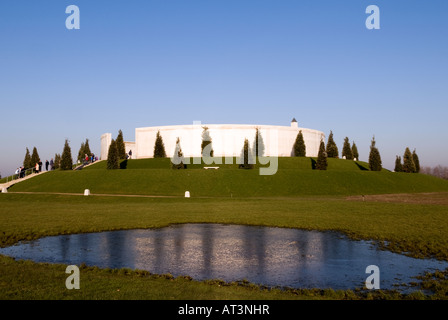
{"type": "Point", "coordinates": [361, 167]}
{"type": "Point", "coordinates": [313, 163]}
{"type": "Point", "coordinates": [124, 164]}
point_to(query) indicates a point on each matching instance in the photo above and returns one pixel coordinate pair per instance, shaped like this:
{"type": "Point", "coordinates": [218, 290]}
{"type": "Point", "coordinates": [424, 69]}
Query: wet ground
{"type": "Point", "coordinates": [261, 255]}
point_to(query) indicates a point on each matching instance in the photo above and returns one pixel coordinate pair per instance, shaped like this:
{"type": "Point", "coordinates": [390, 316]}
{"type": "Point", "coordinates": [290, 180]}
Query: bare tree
{"type": "Point", "coordinates": [437, 171]}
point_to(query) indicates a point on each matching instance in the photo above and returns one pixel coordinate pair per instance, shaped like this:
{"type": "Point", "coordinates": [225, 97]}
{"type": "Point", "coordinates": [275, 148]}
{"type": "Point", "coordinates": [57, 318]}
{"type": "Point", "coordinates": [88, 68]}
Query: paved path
{"type": "Point", "coordinates": [12, 182]}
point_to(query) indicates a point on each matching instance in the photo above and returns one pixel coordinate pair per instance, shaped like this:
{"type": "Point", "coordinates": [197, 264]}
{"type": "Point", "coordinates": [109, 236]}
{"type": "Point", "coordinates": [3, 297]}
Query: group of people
{"type": "Point", "coordinates": [20, 172]}
{"type": "Point", "coordinates": [90, 158]}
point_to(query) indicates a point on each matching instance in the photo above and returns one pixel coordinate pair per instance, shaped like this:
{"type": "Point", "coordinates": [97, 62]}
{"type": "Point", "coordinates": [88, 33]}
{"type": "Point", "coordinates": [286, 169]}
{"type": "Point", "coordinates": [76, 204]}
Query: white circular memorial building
{"type": "Point", "coordinates": [227, 139]}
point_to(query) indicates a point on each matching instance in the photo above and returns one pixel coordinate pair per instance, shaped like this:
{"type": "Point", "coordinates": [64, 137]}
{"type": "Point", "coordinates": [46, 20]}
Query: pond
{"type": "Point", "coordinates": [262, 255]}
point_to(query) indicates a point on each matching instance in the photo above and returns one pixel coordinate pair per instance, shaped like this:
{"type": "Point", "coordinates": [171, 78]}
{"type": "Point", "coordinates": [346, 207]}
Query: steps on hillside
{"type": "Point", "coordinates": [6, 185]}
{"type": "Point", "coordinates": [82, 166]}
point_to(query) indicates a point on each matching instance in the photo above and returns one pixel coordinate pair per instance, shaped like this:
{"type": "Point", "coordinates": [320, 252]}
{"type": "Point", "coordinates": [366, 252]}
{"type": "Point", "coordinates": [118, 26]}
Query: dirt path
{"type": "Point", "coordinates": [97, 194]}
{"type": "Point", "coordinates": [440, 198]}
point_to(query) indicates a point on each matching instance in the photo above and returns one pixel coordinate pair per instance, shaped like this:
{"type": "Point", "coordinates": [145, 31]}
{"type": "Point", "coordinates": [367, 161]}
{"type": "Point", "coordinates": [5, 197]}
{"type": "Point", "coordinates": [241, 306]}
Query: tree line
{"type": "Point", "coordinates": [328, 150]}
{"type": "Point", "coordinates": [409, 163]}
{"type": "Point", "coordinates": [62, 160]}
{"type": "Point", "coordinates": [437, 171]}
{"type": "Point", "coordinates": [116, 151]}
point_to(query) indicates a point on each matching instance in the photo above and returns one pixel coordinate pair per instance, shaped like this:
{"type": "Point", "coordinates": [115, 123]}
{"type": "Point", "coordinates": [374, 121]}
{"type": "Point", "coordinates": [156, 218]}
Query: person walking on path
{"type": "Point", "coordinates": [46, 165]}
{"type": "Point", "coordinates": [51, 164]}
{"type": "Point", "coordinates": [36, 167]}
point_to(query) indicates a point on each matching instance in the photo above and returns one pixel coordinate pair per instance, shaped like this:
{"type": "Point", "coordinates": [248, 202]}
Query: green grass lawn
{"type": "Point", "coordinates": [295, 177]}
{"type": "Point", "coordinates": [296, 197]}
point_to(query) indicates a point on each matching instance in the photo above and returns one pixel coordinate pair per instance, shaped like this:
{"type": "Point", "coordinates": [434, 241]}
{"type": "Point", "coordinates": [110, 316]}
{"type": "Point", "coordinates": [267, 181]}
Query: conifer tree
{"type": "Point", "coordinates": [398, 165]}
{"type": "Point", "coordinates": [34, 157]}
{"type": "Point", "coordinates": [246, 158]}
{"type": "Point", "coordinates": [81, 152]}
{"type": "Point", "coordinates": [120, 145]}
{"type": "Point", "coordinates": [27, 160]}
{"type": "Point", "coordinates": [66, 162]}
{"type": "Point", "coordinates": [258, 146]}
{"type": "Point", "coordinates": [355, 152]}
{"type": "Point", "coordinates": [332, 148]}
{"type": "Point", "coordinates": [113, 161]}
{"type": "Point", "coordinates": [347, 150]}
{"type": "Point", "coordinates": [87, 149]}
{"type": "Point", "coordinates": [416, 161]}
{"type": "Point", "coordinates": [321, 163]}
{"type": "Point", "coordinates": [299, 146]}
{"type": "Point", "coordinates": [375, 163]}
{"type": "Point", "coordinates": [159, 147]}
{"type": "Point", "coordinates": [408, 162]}
{"type": "Point", "coordinates": [177, 162]}
{"type": "Point", "coordinates": [206, 145]}
{"type": "Point", "coordinates": [57, 161]}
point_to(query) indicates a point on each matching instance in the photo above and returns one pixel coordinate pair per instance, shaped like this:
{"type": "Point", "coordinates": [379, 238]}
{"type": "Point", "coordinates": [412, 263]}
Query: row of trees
{"type": "Point", "coordinates": [30, 160]}
{"type": "Point", "coordinates": [62, 161]}
{"type": "Point", "coordinates": [437, 171]}
{"type": "Point", "coordinates": [348, 152]}
{"type": "Point", "coordinates": [84, 150]}
{"type": "Point", "coordinates": [115, 155]}
{"type": "Point", "coordinates": [411, 163]}
{"type": "Point", "coordinates": [331, 149]}
{"type": "Point", "coordinates": [116, 152]}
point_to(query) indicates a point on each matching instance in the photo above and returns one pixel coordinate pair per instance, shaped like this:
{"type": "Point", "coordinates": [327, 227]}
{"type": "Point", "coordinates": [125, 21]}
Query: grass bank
{"type": "Point", "coordinates": [295, 177]}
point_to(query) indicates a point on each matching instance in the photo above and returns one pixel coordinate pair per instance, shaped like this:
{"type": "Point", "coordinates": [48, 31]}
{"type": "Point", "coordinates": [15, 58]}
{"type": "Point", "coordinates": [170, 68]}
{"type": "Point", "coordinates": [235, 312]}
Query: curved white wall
{"type": "Point", "coordinates": [227, 139]}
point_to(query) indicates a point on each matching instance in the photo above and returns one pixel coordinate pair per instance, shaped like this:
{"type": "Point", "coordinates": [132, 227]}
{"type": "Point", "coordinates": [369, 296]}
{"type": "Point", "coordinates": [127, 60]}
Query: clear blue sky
{"type": "Point", "coordinates": [147, 63]}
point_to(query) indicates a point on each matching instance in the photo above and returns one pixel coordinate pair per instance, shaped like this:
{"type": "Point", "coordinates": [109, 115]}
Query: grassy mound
{"type": "Point", "coordinates": [295, 177]}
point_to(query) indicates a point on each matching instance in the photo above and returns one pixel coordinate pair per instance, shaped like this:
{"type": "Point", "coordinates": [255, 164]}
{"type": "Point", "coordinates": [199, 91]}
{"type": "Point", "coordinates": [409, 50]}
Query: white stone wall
{"type": "Point", "coordinates": [106, 140]}
{"type": "Point", "coordinates": [227, 139]}
{"type": "Point", "coordinates": [128, 146]}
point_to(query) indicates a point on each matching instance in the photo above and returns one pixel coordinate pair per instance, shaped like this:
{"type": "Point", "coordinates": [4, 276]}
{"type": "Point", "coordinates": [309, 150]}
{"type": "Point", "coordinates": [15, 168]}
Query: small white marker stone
{"type": "Point", "coordinates": [87, 192]}
{"type": "Point", "coordinates": [187, 194]}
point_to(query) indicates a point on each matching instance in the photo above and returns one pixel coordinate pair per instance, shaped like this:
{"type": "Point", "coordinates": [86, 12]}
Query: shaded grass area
{"type": "Point", "coordinates": [294, 178]}
{"type": "Point", "coordinates": [26, 280]}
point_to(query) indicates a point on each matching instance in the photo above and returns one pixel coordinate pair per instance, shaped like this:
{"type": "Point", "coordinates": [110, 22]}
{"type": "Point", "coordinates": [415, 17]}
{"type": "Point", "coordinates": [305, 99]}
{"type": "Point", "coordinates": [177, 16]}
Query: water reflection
{"type": "Point", "coordinates": [269, 256]}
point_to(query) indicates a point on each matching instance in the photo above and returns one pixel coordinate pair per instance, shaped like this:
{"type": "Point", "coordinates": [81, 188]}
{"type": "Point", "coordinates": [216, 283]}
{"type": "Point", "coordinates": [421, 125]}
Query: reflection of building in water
{"type": "Point", "coordinates": [193, 250]}
{"type": "Point", "coordinates": [227, 139]}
